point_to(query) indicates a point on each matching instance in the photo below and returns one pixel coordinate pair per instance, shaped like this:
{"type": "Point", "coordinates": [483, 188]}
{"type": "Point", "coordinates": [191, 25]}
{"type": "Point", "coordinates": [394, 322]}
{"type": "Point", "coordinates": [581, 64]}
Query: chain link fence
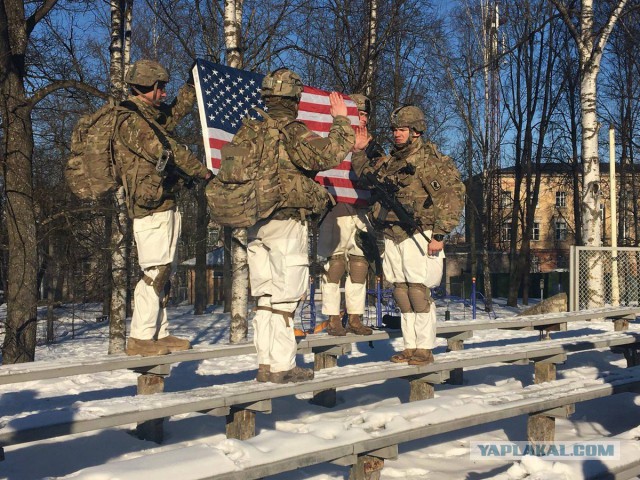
{"type": "Point", "coordinates": [604, 276]}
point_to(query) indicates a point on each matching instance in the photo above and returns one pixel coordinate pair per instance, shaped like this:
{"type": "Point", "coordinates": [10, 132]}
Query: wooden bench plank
{"type": "Point", "coordinates": [43, 370]}
{"type": "Point", "coordinates": [365, 433]}
{"type": "Point", "coordinates": [100, 414]}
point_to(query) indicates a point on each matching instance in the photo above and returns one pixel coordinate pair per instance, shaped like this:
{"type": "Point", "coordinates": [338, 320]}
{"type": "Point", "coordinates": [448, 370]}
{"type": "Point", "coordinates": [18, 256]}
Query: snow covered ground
{"type": "Point", "coordinates": [445, 456]}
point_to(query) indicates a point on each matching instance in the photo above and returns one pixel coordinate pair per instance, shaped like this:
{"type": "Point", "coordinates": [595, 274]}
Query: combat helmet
{"type": "Point", "coordinates": [363, 103]}
{"type": "Point", "coordinates": [282, 83]}
{"type": "Point", "coordinates": [146, 73]}
{"type": "Point", "coordinates": [408, 116]}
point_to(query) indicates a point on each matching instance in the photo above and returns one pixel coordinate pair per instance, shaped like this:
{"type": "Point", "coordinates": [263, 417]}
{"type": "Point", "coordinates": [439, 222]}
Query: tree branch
{"type": "Point", "coordinates": [39, 14]}
{"type": "Point", "coordinates": [564, 12]}
{"type": "Point", "coordinates": [73, 84]}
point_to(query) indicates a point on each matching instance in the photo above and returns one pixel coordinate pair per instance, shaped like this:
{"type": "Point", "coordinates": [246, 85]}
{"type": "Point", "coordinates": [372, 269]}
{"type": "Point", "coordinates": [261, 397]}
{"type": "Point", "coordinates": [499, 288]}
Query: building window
{"type": "Point", "coordinates": [535, 233]}
{"type": "Point", "coordinates": [561, 230]}
{"type": "Point", "coordinates": [561, 199]}
{"type": "Point", "coordinates": [505, 199]}
{"type": "Point", "coordinates": [506, 232]}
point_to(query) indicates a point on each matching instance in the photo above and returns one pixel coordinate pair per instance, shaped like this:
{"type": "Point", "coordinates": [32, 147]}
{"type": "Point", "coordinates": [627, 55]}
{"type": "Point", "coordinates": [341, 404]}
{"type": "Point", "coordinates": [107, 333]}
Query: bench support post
{"type": "Point", "coordinates": [324, 398]}
{"type": "Point", "coordinates": [421, 387]}
{"type": "Point", "coordinates": [544, 372]}
{"type": "Point", "coordinates": [632, 355]}
{"type": "Point", "coordinates": [151, 429]}
{"type": "Point", "coordinates": [455, 343]}
{"type": "Point", "coordinates": [241, 419]}
{"type": "Point", "coordinates": [620, 324]}
{"type": "Point", "coordinates": [327, 358]}
{"type": "Point", "coordinates": [369, 465]}
{"type": "Point", "coordinates": [241, 424]}
{"type": "Point", "coordinates": [541, 428]}
{"type": "Point", "coordinates": [367, 468]}
{"type": "Point", "coordinates": [420, 390]}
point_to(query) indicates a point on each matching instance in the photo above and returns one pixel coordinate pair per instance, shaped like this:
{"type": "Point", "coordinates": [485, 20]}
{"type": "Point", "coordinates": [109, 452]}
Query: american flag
{"type": "Point", "coordinates": [226, 95]}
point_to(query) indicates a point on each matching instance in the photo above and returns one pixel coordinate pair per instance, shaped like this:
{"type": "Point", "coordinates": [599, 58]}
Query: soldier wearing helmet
{"type": "Point", "coordinates": [278, 245]}
{"type": "Point", "coordinates": [147, 159]}
{"type": "Point", "coordinates": [427, 184]}
{"type": "Point", "coordinates": [337, 243]}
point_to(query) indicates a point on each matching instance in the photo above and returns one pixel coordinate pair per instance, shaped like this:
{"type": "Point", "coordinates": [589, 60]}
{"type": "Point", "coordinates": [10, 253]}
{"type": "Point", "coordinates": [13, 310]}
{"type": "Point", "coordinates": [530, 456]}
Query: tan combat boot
{"type": "Point", "coordinates": [174, 344]}
{"type": "Point", "coordinates": [356, 326]}
{"type": "Point", "coordinates": [403, 357]}
{"type": "Point", "coordinates": [146, 348]}
{"type": "Point", "coordinates": [421, 356]}
{"type": "Point", "coordinates": [335, 327]}
{"type": "Point", "coordinates": [295, 375]}
{"type": "Point", "coordinates": [263, 372]}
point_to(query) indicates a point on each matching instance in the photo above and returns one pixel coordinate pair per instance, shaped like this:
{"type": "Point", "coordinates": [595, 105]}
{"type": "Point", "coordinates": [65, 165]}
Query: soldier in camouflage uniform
{"type": "Point", "coordinates": [278, 246]}
{"type": "Point", "coordinates": [337, 243]}
{"type": "Point", "coordinates": [428, 186]}
{"type": "Point", "coordinates": [142, 139]}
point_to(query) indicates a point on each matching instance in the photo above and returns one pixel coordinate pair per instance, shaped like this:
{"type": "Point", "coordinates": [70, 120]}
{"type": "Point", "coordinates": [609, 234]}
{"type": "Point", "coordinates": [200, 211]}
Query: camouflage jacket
{"type": "Point", "coordinates": [309, 154]}
{"type": "Point", "coordinates": [433, 193]}
{"type": "Point", "coordinates": [137, 149]}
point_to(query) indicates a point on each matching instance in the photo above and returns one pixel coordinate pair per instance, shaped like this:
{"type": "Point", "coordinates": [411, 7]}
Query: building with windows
{"type": "Point", "coordinates": [553, 229]}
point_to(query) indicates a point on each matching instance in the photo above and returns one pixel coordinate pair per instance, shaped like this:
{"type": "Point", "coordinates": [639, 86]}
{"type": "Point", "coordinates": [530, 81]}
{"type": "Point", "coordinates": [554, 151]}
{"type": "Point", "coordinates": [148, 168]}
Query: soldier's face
{"type": "Point", "coordinates": [155, 96]}
{"type": "Point", "coordinates": [364, 118]}
{"type": "Point", "coordinates": [401, 135]}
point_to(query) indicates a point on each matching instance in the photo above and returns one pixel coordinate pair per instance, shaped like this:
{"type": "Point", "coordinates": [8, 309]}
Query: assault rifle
{"type": "Point", "coordinates": [166, 166]}
{"type": "Point", "coordinates": [385, 192]}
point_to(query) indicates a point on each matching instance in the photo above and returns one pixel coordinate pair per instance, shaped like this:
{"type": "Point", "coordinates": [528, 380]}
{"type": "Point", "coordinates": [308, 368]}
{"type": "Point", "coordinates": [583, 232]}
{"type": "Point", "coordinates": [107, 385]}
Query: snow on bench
{"type": "Point", "coordinates": [243, 396]}
{"type": "Point", "coordinates": [319, 343]}
{"type": "Point", "coordinates": [368, 438]}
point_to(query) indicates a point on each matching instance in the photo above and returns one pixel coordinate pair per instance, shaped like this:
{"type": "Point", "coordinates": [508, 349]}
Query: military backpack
{"type": "Point", "coordinates": [90, 171]}
{"type": "Point", "coordinates": [248, 186]}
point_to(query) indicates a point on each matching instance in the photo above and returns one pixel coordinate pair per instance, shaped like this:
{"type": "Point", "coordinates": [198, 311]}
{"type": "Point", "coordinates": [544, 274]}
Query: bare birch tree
{"type": "Point", "coordinates": [240, 279]}
{"type": "Point", "coordinates": [590, 42]}
{"type": "Point", "coordinates": [119, 49]}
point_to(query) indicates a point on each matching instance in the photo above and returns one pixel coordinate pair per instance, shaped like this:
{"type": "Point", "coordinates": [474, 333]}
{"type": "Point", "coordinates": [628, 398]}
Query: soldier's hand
{"type": "Point", "coordinates": [338, 107]}
{"type": "Point", "coordinates": [362, 139]}
{"type": "Point", "coordinates": [435, 247]}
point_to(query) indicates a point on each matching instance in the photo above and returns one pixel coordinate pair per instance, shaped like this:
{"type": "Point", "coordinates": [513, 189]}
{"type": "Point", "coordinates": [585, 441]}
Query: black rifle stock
{"type": "Point", "coordinates": [386, 196]}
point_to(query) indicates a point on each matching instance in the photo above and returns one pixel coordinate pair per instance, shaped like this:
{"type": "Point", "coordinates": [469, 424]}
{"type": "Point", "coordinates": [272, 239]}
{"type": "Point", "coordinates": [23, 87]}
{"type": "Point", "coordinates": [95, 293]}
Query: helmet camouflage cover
{"type": "Point", "coordinates": [408, 116]}
{"type": "Point", "coordinates": [146, 73]}
{"type": "Point", "coordinates": [363, 103]}
{"type": "Point", "coordinates": [282, 83]}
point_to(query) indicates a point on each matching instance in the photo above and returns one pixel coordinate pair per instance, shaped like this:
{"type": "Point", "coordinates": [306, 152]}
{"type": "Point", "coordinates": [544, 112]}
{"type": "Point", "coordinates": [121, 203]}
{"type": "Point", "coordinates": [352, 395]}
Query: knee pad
{"type": "Point", "coordinates": [358, 268]}
{"type": "Point", "coordinates": [336, 268]}
{"type": "Point", "coordinates": [420, 297]}
{"type": "Point", "coordinates": [401, 296]}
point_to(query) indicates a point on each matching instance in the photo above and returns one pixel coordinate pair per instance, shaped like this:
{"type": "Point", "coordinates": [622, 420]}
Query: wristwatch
{"type": "Point", "coordinates": [437, 237]}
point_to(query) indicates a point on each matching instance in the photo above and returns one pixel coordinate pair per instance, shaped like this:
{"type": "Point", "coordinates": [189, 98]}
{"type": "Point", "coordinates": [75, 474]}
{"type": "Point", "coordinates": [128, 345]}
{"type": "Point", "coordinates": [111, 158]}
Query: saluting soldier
{"type": "Point", "coordinates": [278, 254]}
{"type": "Point", "coordinates": [337, 243]}
{"type": "Point", "coordinates": [144, 153]}
{"type": "Point", "coordinates": [427, 184]}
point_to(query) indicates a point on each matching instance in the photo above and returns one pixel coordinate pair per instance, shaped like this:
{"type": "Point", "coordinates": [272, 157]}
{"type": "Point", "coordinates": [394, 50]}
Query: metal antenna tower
{"type": "Point", "coordinates": [491, 23]}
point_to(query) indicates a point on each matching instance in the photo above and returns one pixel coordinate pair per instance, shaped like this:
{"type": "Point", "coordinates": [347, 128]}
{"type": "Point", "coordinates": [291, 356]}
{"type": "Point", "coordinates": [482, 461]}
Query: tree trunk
{"type": "Point", "coordinates": [119, 271]}
{"type": "Point", "coordinates": [591, 45]}
{"type": "Point", "coordinates": [120, 28]}
{"type": "Point", "coordinates": [17, 150]}
{"type": "Point", "coordinates": [240, 283]}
